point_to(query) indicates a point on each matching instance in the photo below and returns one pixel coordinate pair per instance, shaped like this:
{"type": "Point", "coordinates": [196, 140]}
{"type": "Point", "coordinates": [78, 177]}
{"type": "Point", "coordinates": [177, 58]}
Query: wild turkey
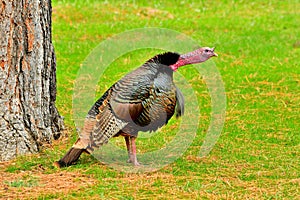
{"type": "Point", "coordinates": [142, 100]}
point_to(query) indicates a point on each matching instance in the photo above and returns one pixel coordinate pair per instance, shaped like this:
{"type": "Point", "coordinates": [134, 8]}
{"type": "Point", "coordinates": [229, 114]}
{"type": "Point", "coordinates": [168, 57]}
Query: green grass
{"type": "Point", "coordinates": [257, 155]}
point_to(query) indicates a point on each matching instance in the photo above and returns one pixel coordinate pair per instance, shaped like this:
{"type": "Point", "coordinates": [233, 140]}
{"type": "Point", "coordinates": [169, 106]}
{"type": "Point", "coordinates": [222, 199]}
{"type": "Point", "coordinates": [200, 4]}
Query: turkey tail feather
{"type": "Point", "coordinates": [71, 156]}
{"type": "Point", "coordinates": [107, 125]}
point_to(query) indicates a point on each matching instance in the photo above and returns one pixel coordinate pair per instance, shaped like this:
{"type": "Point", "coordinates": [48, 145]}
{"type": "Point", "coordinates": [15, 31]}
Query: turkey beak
{"type": "Point", "coordinates": [214, 54]}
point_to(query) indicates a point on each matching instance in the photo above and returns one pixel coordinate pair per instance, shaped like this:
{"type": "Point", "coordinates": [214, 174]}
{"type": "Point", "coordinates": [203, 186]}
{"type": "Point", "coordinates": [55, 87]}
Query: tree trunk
{"type": "Point", "coordinates": [28, 116]}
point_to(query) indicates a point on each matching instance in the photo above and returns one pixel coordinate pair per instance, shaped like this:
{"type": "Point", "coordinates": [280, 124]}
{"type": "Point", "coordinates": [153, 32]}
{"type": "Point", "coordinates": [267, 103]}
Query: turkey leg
{"type": "Point", "coordinates": [131, 149]}
{"type": "Point", "coordinates": [128, 148]}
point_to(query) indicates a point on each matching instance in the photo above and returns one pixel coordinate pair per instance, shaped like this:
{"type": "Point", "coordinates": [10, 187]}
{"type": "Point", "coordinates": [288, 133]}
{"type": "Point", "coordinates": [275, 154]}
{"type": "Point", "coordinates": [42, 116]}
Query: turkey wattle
{"type": "Point", "coordinates": [143, 100]}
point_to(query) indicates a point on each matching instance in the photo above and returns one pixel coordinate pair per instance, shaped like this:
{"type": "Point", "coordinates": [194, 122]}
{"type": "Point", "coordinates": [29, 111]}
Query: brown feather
{"type": "Point", "coordinates": [127, 111]}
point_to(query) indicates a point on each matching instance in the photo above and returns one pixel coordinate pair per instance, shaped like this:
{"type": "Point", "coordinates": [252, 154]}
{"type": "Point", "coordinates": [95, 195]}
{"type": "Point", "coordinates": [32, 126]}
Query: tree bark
{"type": "Point", "coordinates": [28, 116]}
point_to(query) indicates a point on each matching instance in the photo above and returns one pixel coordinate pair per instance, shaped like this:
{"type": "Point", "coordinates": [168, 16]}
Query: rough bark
{"type": "Point", "coordinates": [28, 116]}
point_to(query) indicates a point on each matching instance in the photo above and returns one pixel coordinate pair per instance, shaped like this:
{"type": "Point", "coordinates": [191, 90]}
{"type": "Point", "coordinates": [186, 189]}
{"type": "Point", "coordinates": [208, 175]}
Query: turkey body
{"type": "Point", "coordinates": [143, 100]}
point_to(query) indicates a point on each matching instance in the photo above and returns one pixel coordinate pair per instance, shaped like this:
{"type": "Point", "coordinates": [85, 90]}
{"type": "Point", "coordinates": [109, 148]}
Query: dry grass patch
{"type": "Point", "coordinates": [33, 184]}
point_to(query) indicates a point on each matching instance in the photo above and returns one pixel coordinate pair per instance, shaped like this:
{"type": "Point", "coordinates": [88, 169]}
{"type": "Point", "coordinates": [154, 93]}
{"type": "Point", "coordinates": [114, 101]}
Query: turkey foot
{"type": "Point", "coordinates": [132, 159]}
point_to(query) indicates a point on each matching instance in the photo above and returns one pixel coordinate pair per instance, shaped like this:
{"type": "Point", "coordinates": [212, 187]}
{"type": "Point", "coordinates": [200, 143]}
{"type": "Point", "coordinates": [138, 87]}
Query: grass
{"type": "Point", "coordinates": [257, 155]}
